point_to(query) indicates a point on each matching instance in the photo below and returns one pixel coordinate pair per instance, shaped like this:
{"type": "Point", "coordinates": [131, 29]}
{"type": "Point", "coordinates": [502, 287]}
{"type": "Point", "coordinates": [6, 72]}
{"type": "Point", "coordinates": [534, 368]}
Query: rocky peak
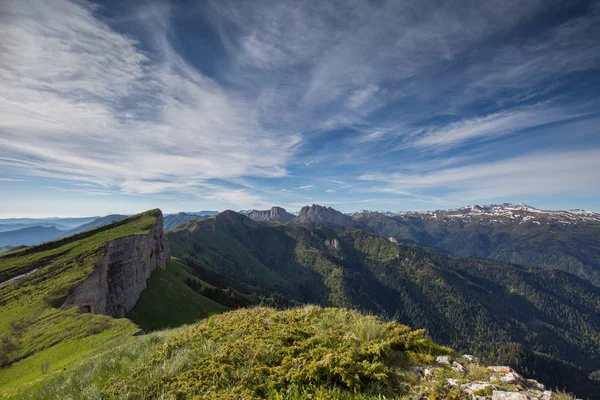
{"type": "Point", "coordinates": [316, 215]}
{"type": "Point", "coordinates": [277, 214]}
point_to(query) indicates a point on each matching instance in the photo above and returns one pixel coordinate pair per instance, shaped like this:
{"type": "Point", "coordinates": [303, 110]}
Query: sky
{"type": "Point", "coordinates": [122, 106]}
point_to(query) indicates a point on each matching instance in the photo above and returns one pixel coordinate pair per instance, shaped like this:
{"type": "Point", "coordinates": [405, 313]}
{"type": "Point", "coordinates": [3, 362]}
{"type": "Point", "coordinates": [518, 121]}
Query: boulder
{"type": "Point", "coordinates": [471, 358]}
{"type": "Point", "coordinates": [502, 368]}
{"type": "Point", "coordinates": [472, 388]}
{"type": "Point", "coordinates": [452, 381]}
{"type": "Point", "coordinates": [457, 367]}
{"type": "Point", "coordinates": [501, 395]}
{"type": "Point", "coordinates": [443, 360]}
{"type": "Point", "coordinates": [514, 378]}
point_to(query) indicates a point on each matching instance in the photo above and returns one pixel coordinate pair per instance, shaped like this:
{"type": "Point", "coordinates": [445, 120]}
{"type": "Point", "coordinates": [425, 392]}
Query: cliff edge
{"type": "Point", "coordinates": [120, 276]}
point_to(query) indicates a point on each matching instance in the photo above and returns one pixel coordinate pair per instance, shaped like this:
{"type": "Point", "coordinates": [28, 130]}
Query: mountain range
{"type": "Point", "coordinates": [520, 234]}
{"type": "Point", "coordinates": [32, 231]}
{"type": "Point", "coordinates": [545, 321]}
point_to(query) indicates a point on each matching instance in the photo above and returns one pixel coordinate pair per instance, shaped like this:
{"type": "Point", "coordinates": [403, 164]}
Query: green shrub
{"type": "Point", "coordinates": [264, 353]}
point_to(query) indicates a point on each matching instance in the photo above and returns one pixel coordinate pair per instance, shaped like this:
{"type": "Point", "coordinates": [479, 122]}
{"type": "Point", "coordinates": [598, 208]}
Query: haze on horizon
{"type": "Point", "coordinates": [117, 107]}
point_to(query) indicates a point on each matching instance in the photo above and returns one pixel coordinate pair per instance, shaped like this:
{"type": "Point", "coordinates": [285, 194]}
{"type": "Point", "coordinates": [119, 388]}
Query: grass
{"type": "Point", "coordinates": [36, 335]}
{"type": "Point", "coordinates": [303, 353]}
{"type": "Point", "coordinates": [261, 353]}
{"type": "Point", "coordinates": [168, 302]}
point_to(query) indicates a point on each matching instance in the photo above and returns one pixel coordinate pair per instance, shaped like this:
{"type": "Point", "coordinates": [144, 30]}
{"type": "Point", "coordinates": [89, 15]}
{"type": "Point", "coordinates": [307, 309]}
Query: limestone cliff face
{"type": "Point", "coordinates": [120, 276]}
{"type": "Point", "coordinates": [274, 214]}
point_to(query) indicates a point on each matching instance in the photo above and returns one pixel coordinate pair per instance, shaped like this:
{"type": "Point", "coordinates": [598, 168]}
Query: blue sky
{"type": "Point", "coordinates": [390, 105]}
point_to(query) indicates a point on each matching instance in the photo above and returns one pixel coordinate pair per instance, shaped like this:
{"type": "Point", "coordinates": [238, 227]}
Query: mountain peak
{"type": "Point", "coordinates": [277, 214]}
{"type": "Point", "coordinates": [317, 215]}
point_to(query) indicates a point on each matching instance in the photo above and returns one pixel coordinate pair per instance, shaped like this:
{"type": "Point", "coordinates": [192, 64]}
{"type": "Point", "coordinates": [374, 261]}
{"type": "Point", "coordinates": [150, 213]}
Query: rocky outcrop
{"type": "Point", "coordinates": [465, 374]}
{"type": "Point", "coordinates": [276, 214]}
{"type": "Point", "coordinates": [120, 276]}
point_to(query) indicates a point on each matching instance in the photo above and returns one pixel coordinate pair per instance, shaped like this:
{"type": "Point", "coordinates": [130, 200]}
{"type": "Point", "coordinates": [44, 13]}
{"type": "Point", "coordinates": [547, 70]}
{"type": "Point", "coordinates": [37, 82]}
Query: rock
{"type": "Point", "coordinates": [316, 215]}
{"type": "Point", "coordinates": [428, 372]}
{"type": "Point", "coordinates": [452, 381]}
{"type": "Point", "coordinates": [393, 240]}
{"type": "Point", "coordinates": [500, 395]}
{"type": "Point", "coordinates": [274, 214]}
{"type": "Point", "coordinates": [547, 395]}
{"type": "Point", "coordinates": [332, 243]}
{"type": "Point", "coordinates": [457, 367]}
{"type": "Point", "coordinates": [471, 388]}
{"type": "Point", "coordinates": [471, 358]}
{"type": "Point", "coordinates": [535, 384]}
{"type": "Point", "coordinates": [514, 379]}
{"type": "Point", "coordinates": [443, 360]}
{"type": "Point", "coordinates": [501, 369]}
{"type": "Point", "coordinates": [120, 276]}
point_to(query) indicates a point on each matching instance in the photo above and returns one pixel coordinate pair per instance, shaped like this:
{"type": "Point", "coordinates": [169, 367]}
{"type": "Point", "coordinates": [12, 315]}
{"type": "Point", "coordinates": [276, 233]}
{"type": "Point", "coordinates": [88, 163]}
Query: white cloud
{"type": "Point", "coordinates": [82, 102]}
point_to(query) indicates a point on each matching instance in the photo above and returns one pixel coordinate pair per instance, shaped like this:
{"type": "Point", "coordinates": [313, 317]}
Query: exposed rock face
{"type": "Point", "coordinates": [316, 215]}
{"type": "Point", "coordinates": [277, 214]}
{"type": "Point", "coordinates": [120, 276]}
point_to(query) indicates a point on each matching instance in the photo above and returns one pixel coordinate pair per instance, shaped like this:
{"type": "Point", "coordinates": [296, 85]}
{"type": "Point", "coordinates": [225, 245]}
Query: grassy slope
{"type": "Point", "coordinates": [168, 302]}
{"type": "Point", "coordinates": [260, 353]}
{"type": "Point", "coordinates": [203, 242]}
{"type": "Point", "coordinates": [256, 353]}
{"type": "Point", "coordinates": [37, 337]}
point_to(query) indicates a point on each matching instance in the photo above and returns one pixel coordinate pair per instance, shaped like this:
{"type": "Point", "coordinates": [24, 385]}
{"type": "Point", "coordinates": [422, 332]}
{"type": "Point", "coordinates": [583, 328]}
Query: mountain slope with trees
{"type": "Point", "coordinates": [482, 306]}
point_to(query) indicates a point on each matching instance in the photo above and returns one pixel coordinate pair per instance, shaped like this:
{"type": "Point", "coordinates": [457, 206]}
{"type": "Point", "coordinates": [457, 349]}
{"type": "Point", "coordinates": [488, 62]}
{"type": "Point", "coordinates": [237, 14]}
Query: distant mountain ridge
{"type": "Point", "coordinates": [96, 223]}
{"type": "Point", "coordinates": [32, 231]}
{"type": "Point", "coordinates": [29, 236]}
{"type": "Point", "coordinates": [171, 221]}
{"type": "Point", "coordinates": [499, 212]}
{"type": "Point", "coordinates": [569, 240]}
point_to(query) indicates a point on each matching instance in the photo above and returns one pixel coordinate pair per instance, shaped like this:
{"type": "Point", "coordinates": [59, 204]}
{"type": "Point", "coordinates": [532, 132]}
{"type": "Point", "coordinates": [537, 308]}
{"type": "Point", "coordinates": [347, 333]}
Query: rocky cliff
{"type": "Point", "coordinates": [277, 214]}
{"type": "Point", "coordinates": [120, 276]}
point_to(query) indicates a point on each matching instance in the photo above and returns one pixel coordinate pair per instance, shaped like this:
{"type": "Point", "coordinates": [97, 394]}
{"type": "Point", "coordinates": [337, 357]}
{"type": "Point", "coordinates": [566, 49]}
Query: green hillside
{"type": "Point", "coordinates": [36, 335]}
{"type": "Point", "coordinates": [480, 306]}
{"type": "Point", "coordinates": [168, 301]}
{"type": "Point", "coordinates": [260, 353]}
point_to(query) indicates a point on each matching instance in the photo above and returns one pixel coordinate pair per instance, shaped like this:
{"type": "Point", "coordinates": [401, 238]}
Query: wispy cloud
{"type": "Point", "coordinates": [573, 172]}
{"type": "Point", "coordinates": [11, 180]}
{"type": "Point", "coordinates": [491, 126]}
{"type": "Point", "coordinates": [83, 102]}
{"type": "Point", "coordinates": [274, 94]}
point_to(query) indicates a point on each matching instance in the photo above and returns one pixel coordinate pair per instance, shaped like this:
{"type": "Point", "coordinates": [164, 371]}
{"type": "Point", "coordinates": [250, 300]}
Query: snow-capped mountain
{"type": "Point", "coordinates": [503, 212]}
